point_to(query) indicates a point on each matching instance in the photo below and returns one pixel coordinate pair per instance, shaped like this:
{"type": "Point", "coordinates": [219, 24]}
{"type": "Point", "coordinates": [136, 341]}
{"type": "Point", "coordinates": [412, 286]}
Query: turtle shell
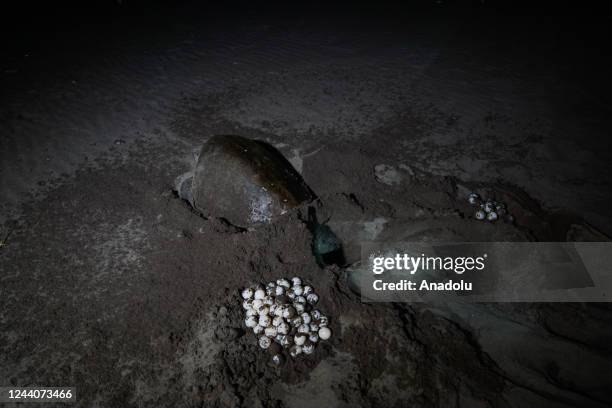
{"type": "Point", "coordinates": [245, 181]}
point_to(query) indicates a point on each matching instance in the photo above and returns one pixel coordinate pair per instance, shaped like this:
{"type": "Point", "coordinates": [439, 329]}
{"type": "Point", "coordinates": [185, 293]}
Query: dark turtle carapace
{"type": "Point", "coordinates": [246, 181]}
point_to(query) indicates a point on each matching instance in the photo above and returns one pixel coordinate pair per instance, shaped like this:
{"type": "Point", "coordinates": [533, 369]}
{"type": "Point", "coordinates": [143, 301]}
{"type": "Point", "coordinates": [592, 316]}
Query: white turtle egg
{"type": "Point", "coordinates": [265, 342]}
{"type": "Point", "coordinates": [277, 321]}
{"type": "Point", "coordinates": [299, 299]}
{"type": "Point", "coordinates": [305, 318]}
{"type": "Point", "coordinates": [257, 304]}
{"type": "Point", "coordinates": [280, 311]}
{"type": "Point", "coordinates": [489, 206]}
{"type": "Point", "coordinates": [283, 328]}
{"type": "Point", "coordinates": [247, 293]}
{"type": "Point", "coordinates": [316, 314]}
{"type": "Point", "coordinates": [298, 290]}
{"type": "Point", "coordinates": [247, 304]}
{"type": "Point", "coordinates": [291, 295]}
{"type": "Point", "coordinates": [303, 328]}
{"type": "Point", "coordinates": [284, 340]}
{"type": "Point", "coordinates": [283, 282]}
{"type": "Point", "coordinates": [313, 298]}
{"type": "Point", "coordinates": [308, 348]}
{"type": "Point", "coordinates": [258, 329]}
{"type": "Point", "coordinates": [288, 312]}
{"type": "Point", "coordinates": [264, 310]}
{"type": "Point", "coordinates": [264, 320]}
{"type": "Point", "coordinates": [473, 198]}
{"type": "Point", "coordinates": [270, 331]}
{"type": "Point", "coordinates": [314, 327]}
{"type": "Point", "coordinates": [296, 281]}
{"type": "Point", "coordinates": [296, 321]}
{"type": "Point", "coordinates": [480, 215]}
{"type": "Point", "coordinates": [299, 307]}
{"type": "Point", "coordinates": [307, 290]}
{"type": "Point", "coordinates": [324, 333]}
{"type": "Point", "coordinates": [260, 294]}
{"type": "Point", "coordinates": [250, 321]}
{"type": "Point", "coordinates": [313, 338]}
{"type": "Point", "coordinates": [492, 216]}
{"type": "Point", "coordinates": [323, 321]}
{"type": "Point", "coordinates": [268, 300]}
{"type": "Point", "coordinates": [299, 339]}
{"type": "Point", "coordinates": [279, 291]}
{"type": "Point", "coordinates": [295, 351]}
{"type": "Point", "coordinates": [252, 312]}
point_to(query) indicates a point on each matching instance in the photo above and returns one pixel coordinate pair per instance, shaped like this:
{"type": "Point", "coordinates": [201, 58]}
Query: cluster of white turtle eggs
{"type": "Point", "coordinates": [489, 210]}
{"type": "Point", "coordinates": [282, 314]}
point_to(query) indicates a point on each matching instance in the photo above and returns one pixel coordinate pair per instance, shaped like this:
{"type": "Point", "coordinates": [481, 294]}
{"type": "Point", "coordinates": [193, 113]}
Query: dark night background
{"type": "Point", "coordinates": [108, 282]}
